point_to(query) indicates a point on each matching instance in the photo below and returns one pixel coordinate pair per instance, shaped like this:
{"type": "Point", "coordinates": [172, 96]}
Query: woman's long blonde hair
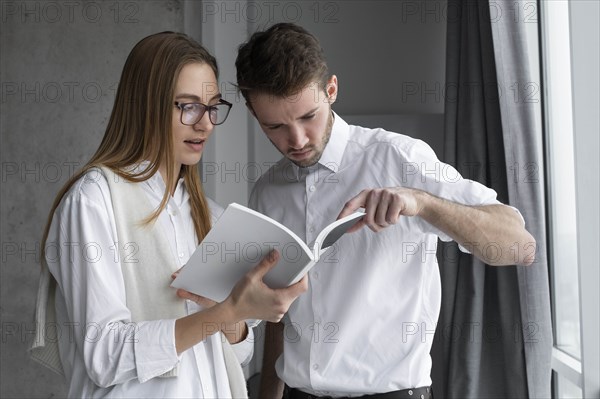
{"type": "Point", "coordinates": [140, 125]}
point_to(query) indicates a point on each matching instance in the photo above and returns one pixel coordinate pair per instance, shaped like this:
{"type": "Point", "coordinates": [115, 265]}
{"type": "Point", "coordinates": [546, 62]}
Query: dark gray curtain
{"type": "Point", "coordinates": [493, 338]}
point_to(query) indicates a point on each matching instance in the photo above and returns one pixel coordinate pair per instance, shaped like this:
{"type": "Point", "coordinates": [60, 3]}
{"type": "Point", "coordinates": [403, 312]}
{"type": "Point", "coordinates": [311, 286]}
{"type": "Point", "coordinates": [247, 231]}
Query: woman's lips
{"type": "Point", "coordinates": [196, 145]}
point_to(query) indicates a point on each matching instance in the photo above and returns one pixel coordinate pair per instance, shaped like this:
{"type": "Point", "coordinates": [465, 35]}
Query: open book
{"type": "Point", "coordinates": [237, 243]}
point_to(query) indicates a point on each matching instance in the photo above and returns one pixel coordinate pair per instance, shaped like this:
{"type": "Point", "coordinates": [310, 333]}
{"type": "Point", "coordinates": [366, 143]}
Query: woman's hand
{"type": "Point", "coordinates": [235, 332]}
{"type": "Point", "coordinates": [251, 298]}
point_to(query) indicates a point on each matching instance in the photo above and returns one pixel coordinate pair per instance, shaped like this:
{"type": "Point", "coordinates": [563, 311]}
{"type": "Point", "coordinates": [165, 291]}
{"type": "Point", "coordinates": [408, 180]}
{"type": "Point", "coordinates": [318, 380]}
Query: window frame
{"type": "Point", "coordinates": [584, 55]}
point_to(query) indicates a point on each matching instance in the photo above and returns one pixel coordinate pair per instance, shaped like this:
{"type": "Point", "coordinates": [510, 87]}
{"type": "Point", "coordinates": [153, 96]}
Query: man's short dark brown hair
{"type": "Point", "coordinates": [280, 61]}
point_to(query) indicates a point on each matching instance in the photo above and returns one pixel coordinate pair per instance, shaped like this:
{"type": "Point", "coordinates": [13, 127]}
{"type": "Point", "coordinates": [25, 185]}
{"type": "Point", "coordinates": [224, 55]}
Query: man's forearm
{"type": "Point", "coordinates": [493, 233]}
{"type": "Point", "coordinates": [271, 386]}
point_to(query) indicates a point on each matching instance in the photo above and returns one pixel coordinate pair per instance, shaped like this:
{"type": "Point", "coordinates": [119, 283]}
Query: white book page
{"type": "Point", "coordinates": [236, 244]}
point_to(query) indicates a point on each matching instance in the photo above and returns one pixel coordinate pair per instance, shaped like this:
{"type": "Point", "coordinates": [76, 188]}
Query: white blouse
{"type": "Point", "coordinates": [102, 354]}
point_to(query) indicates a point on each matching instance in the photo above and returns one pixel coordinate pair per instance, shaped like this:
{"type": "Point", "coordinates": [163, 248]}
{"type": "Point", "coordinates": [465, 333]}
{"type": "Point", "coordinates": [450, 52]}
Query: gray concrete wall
{"type": "Point", "coordinates": [60, 65]}
{"type": "Point", "coordinates": [60, 62]}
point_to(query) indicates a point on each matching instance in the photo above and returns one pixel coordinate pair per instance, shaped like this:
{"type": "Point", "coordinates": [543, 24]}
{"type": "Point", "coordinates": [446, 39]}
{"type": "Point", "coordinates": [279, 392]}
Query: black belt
{"type": "Point", "coordinates": [412, 393]}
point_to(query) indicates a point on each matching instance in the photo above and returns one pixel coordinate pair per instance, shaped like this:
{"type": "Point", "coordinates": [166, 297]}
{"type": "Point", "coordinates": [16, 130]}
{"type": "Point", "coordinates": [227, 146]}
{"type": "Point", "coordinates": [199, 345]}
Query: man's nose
{"type": "Point", "coordinates": [297, 138]}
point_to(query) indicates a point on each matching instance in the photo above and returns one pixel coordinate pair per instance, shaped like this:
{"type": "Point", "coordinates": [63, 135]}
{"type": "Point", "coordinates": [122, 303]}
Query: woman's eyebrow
{"type": "Point", "coordinates": [195, 97]}
{"type": "Point", "coordinates": [186, 95]}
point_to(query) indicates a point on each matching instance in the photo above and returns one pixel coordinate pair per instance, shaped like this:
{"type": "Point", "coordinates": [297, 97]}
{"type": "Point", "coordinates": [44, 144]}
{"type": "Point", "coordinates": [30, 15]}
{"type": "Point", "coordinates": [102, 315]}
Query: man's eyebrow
{"type": "Point", "coordinates": [312, 111]}
{"type": "Point", "coordinates": [195, 97]}
{"type": "Point", "coordinates": [305, 115]}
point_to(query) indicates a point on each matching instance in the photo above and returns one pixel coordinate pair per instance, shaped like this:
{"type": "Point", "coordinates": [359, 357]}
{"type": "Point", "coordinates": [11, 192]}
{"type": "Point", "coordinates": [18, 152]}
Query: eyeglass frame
{"type": "Point", "coordinates": [206, 108]}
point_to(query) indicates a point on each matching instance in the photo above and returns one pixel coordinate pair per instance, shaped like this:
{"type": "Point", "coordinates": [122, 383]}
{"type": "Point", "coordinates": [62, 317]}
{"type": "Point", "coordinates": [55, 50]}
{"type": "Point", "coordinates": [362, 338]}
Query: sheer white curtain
{"type": "Point", "coordinates": [494, 335]}
{"type": "Point", "coordinates": [517, 69]}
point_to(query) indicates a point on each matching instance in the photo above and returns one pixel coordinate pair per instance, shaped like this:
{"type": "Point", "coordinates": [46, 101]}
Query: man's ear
{"type": "Point", "coordinates": [331, 89]}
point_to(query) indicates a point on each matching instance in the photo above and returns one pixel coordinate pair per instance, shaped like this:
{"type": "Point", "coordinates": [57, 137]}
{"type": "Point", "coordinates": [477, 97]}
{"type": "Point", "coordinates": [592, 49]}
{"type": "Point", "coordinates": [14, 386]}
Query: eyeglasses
{"type": "Point", "coordinates": [191, 113]}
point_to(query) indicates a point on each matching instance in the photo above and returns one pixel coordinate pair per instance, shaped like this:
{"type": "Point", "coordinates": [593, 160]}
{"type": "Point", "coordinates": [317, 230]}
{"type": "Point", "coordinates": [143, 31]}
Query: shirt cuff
{"type": "Point", "coordinates": [154, 347]}
{"type": "Point", "coordinates": [245, 349]}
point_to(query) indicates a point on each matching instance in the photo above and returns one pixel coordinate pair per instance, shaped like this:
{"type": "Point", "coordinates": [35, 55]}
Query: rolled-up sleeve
{"type": "Point", "coordinates": [444, 181]}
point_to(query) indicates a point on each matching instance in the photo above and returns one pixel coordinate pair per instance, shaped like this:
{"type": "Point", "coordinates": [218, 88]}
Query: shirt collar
{"type": "Point", "coordinates": [157, 184]}
{"type": "Point", "coordinates": [334, 150]}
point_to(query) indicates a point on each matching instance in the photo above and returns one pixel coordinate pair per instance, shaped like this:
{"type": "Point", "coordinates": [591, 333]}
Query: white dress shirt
{"type": "Point", "coordinates": [102, 354]}
{"type": "Point", "coordinates": [367, 322]}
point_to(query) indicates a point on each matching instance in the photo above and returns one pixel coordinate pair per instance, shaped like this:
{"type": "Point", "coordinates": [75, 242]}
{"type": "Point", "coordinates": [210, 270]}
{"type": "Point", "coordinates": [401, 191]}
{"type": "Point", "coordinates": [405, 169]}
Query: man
{"type": "Point", "coordinates": [365, 326]}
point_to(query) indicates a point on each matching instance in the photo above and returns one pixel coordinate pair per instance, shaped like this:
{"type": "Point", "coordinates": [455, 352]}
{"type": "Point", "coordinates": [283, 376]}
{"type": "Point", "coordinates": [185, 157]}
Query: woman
{"type": "Point", "coordinates": [125, 223]}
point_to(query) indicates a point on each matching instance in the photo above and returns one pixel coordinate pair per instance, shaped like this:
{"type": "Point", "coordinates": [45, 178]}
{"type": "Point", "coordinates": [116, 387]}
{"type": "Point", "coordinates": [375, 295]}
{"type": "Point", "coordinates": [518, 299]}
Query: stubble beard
{"type": "Point", "coordinates": [319, 148]}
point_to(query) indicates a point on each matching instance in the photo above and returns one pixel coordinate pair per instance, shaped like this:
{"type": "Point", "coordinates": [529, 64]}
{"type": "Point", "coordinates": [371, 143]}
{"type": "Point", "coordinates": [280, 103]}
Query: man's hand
{"type": "Point", "coordinates": [477, 228]}
{"type": "Point", "coordinates": [383, 206]}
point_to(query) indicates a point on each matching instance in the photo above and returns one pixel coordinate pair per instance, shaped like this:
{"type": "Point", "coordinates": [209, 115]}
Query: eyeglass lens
{"type": "Point", "coordinates": [192, 113]}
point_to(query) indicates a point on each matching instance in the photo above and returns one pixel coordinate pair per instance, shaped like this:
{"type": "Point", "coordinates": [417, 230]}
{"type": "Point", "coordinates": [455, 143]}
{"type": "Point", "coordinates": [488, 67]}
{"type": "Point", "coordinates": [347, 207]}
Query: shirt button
{"type": "Point", "coordinates": [312, 188]}
{"type": "Point", "coordinates": [315, 367]}
{"type": "Point", "coordinates": [316, 275]}
{"type": "Point", "coordinates": [312, 229]}
{"type": "Point", "coordinates": [181, 254]}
